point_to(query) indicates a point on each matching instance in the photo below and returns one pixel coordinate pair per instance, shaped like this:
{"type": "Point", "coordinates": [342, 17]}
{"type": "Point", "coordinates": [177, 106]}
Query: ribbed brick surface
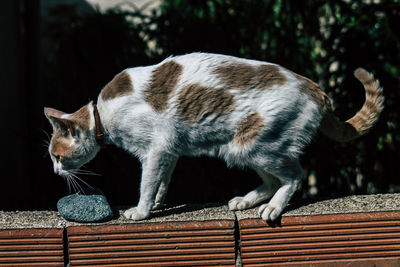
{"type": "Point", "coordinates": [359, 239]}
{"type": "Point", "coordinates": [31, 247]}
{"type": "Point", "coordinates": [153, 244]}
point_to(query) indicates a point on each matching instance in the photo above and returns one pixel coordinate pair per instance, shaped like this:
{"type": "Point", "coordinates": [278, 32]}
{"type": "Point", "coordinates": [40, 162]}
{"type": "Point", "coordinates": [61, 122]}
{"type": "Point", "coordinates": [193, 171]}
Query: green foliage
{"type": "Point", "coordinates": [84, 52]}
{"type": "Point", "coordinates": [323, 40]}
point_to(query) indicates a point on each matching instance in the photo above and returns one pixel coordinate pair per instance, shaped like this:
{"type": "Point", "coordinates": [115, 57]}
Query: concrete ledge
{"type": "Point", "coordinates": [355, 230]}
{"type": "Point", "coordinates": [31, 219]}
{"type": "Point", "coordinates": [350, 204]}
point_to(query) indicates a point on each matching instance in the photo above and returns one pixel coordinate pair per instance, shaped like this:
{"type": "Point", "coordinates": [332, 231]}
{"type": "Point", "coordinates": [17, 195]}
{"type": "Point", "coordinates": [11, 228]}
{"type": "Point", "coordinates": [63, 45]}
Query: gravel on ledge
{"type": "Point", "coordinates": [350, 204]}
{"type": "Point", "coordinates": [207, 212]}
{"type": "Point", "coordinates": [175, 213]}
{"type": "Point", "coordinates": [185, 213]}
{"type": "Point", "coordinates": [30, 219]}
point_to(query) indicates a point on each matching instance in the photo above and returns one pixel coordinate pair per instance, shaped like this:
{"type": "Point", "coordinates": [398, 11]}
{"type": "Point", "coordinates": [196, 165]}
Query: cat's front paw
{"type": "Point", "coordinates": [134, 214]}
{"type": "Point", "coordinates": [238, 203]}
{"type": "Point", "coordinates": [269, 212]}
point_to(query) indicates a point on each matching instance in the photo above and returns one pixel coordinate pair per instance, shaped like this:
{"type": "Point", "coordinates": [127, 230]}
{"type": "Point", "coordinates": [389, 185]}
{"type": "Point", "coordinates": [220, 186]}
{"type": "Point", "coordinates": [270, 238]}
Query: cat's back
{"type": "Point", "coordinates": [219, 88]}
{"type": "Point", "coordinates": [157, 84]}
{"type": "Point", "coordinates": [217, 100]}
{"type": "Point", "coordinates": [207, 99]}
{"type": "Point", "coordinates": [160, 86]}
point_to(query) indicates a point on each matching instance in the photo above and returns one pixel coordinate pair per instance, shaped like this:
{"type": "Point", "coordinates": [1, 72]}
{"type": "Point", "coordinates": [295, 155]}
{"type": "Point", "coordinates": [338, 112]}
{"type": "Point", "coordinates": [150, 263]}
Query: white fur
{"type": "Point", "coordinates": [159, 139]}
{"type": "Point", "coordinates": [290, 118]}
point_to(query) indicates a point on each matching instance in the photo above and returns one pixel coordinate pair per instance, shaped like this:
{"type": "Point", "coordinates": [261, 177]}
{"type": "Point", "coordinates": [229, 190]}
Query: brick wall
{"type": "Point", "coordinates": [353, 231]}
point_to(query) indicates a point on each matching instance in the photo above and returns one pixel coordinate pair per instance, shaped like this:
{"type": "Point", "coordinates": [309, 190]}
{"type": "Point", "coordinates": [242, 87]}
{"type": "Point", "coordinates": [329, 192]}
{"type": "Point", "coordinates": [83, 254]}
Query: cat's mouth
{"type": "Point", "coordinates": [63, 173]}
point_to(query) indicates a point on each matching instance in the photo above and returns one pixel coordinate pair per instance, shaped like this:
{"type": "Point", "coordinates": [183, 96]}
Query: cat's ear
{"type": "Point", "coordinates": [63, 125]}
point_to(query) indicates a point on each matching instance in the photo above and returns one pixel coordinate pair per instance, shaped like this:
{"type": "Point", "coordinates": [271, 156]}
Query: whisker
{"type": "Point", "coordinates": [83, 168]}
{"type": "Point", "coordinates": [67, 184]}
{"type": "Point", "coordinates": [84, 172]}
{"type": "Point", "coordinates": [81, 180]}
{"type": "Point", "coordinates": [46, 145]}
{"type": "Point", "coordinates": [77, 185]}
{"type": "Point", "coordinates": [71, 182]}
{"type": "Point", "coordinates": [47, 135]}
{"type": "Point", "coordinates": [90, 174]}
{"type": "Point", "coordinates": [71, 176]}
{"type": "Point", "coordinates": [66, 178]}
{"type": "Point", "coordinates": [77, 170]}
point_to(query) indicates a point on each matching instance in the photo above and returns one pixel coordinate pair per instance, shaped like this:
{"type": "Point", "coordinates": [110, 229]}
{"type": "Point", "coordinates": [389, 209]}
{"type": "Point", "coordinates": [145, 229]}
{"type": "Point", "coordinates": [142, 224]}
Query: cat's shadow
{"type": "Point", "coordinates": [296, 204]}
{"type": "Point", "coordinates": [176, 210]}
{"type": "Point", "coordinates": [183, 208]}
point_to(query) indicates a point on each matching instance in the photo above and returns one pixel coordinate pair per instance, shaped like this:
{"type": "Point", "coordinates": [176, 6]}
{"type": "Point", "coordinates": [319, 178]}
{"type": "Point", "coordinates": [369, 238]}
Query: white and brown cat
{"type": "Point", "coordinates": [250, 113]}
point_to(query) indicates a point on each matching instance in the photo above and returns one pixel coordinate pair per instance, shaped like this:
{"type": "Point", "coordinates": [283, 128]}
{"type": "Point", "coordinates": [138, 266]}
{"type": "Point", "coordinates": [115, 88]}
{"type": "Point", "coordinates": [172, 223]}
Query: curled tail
{"type": "Point", "coordinates": [364, 119]}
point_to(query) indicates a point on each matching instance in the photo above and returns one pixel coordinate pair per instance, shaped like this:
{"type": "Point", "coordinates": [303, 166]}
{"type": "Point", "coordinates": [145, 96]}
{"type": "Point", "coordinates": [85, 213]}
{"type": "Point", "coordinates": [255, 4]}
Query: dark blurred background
{"type": "Point", "coordinates": [61, 53]}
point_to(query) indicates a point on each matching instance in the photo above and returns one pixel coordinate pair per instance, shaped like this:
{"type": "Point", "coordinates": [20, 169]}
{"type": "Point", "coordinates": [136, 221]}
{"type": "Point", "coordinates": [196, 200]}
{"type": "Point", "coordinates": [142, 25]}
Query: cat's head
{"type": "Point", "coordinates": [73, 141]}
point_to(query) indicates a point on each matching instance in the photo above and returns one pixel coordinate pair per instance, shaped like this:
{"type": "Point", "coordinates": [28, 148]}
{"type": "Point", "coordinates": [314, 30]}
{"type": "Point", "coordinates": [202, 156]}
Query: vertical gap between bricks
{"type": "Point", "coordinates": [65, 248]}
{"type": "Point", "coordinates": [238, 259]}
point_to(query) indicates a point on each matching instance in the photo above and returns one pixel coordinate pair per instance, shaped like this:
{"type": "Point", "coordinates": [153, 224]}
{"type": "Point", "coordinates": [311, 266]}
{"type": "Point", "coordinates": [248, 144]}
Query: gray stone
{"type": "Point", "coordinates": [89, 207]}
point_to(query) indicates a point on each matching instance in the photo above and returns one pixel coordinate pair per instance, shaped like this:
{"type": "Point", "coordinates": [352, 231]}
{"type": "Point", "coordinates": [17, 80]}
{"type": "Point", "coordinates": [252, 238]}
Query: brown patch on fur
{"type": "Point", "coordinates": [248, 129]}
{"type": "Point", "coordinates": [120, 85]}
{"type": "Point", "coordinates": [373, 105]}
{"type": "Point", "coordinates": [364, 119]}
{"type": "Point", "coordinates": [162, 83]}
{"type": "Point", "coordinates": [196, 102]}
{"type": "Point", "coordinates": [245, 76]}
{"type": "Point", "coordinates": [364, 77]}
{"type": "Point", "coordinates": [314, 92]}
{"type": "Point", "coordinates": [60, 145]}
{"type": "Point", "coordinates": [81, 117]}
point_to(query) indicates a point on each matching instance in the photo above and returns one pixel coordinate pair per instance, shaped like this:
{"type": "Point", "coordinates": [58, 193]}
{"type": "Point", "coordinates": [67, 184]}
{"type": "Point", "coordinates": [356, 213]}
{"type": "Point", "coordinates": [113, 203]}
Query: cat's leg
{"type": "Point", "coordinates": [155, 166]}
{"type": "Point", "coordinates": [258, 195]}
{"type": "Point", "coordinates": [289, 176]}
{"type": "Point", "coordinates": [162, 190]}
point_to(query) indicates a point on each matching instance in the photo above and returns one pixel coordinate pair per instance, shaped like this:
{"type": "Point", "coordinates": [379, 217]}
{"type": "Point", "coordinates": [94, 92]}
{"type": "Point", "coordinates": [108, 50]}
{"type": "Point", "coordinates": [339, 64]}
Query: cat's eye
{"type": "Point", "coordinates": [57, 157]}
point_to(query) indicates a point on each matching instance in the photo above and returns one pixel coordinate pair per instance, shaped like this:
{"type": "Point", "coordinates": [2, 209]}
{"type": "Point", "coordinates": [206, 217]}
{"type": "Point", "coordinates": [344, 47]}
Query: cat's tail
{"type": "Point", "coordinates": [364, 119]}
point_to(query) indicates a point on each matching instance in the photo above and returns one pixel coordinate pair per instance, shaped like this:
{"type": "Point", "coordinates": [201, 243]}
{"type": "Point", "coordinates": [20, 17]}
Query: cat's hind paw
{"type": "Point", "coordinates": [269, 212]}
{"type": "Point", "coordinates": [134, 214]}
{"type": "Point", "coordinates": [238, 203]}
{"type": "Point", "coordinates": [158, 206]}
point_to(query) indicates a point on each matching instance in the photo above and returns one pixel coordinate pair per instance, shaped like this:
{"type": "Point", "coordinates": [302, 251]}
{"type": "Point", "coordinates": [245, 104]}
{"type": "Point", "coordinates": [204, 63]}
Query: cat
{"type": "Point", "coordinates": [250, 113]}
